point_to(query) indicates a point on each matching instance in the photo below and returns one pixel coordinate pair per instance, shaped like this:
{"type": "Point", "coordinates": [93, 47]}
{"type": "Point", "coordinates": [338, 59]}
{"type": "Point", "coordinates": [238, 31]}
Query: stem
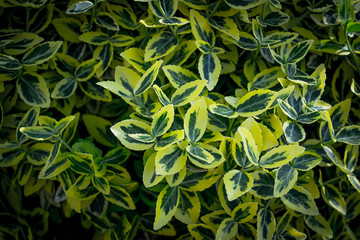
{"type": "Point", "coordinates": [353, 54]}
{"type": "Point", "coordinates": [306, 13]}
{"type": "Point", "coordinates": [334, 179]}
{"type": "Point", "coordinates": [173, 31]}
{"type": "Point", "coordinates": [65, 144]}
{"type": "Point", "coordinates": [215, 8]}
{"type": "Point", "coordinates": [27, 19]}
{"type": "Point", "coordinates": [268, 203]}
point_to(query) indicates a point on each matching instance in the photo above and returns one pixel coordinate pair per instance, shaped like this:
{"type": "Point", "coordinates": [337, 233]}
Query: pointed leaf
{"type": "Point", "coordinates": [160, 45]}
{"type": "Point", "coordinates": [263, 185]}
{"type": "Point", "coordinates": [349, 135]}
{"type": "Point", "coordinates": [201, 231]}
{"type": "Point", "coordinates": [293, 132]}
{"type": "Point", "coordinates": [306, 161]}
{"type": "Point", "coordinates": [178, 76]}
{"type": "Point", "coordinates": [148, 78]}
{"type": "Point", "coordinates": [201, 28]}
{"type": "Point", "coordinates": [286, 176]}
{"type": "Point", "coordinates": [237, 183]}
{"type": "Point", "coordinates": [319, 224]}
{"type": "Point", "coordinates": [265, 224]}
{"type": "Point", "coordinates": [255, 102]}
{"type": "Point", "coordinates": [188, 210]}
{"type": "Point", "coordinates": [195, 121]}
{"type": "Point", "coordinates": [245, 212]}
{"type": "Point", "coordinates": [64, 88]}
{"type": "Point", "coordinates": [227, 229]}
{"type": "Point", "coordinates": [41, 53]}
{"type": "Point", "coordinates": [209, 69]}
{"type": "Point", "coordinates": [33, 90]}
{"type": "Point", "coordinates": [162, 121]}
{"type": "Point", "coordinates": [170, 160]}
{"type": "Point", "coordinates": [279, 156]}
{"type": "Point", "coordinates": [120, 197]}
{"type": "Point", "coordinates": [300, 200]}
{"type": "Point", "coordinates": [187, 92]}
{"type": "Point", "coordinates": [166, 205]}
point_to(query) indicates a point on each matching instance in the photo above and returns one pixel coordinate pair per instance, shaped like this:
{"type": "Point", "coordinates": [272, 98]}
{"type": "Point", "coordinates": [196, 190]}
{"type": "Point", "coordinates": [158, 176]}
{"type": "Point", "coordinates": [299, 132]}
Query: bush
{"type": "Point", "coordinates": [192, 119]}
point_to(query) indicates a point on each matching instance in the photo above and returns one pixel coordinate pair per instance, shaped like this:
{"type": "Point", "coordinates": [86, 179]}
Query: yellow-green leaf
{"type": "Point", "coordinates": [201, 231]}
{"type": "Point", "coordinates": [206, 162]}
{"type": "Point", "coordinates": [106, 20]}
{"type": "Point", "coordinates": [170, 160]}
{"type": "Point", "coordinates": [187, 92]}
{"type": "Point", "coordinates": [249, 145]}
{"type": "Point", "coordinates": [150, 178]}
{"type": "Point", "coordinates": [21, 42]}
{"type": "Point", "coordinates": [263, 185]}
{"type": "Point", "coordinates": [195, 121]}
{"type": "Point", "coordinates": [189, 207]}
{"type": "Point", "coordinates": [209, 69]}
{"type": "Point", "coordinates": [279, 156]}
{"type": "Point", "coordinates": [245, 212]}
{"type": "Point", "coordinates": [148, 78]}
{"type": "Point", "coordinates": [319, 224]}
{"type": "Point", "coordinates": [285, 179]}
{"type": "Point", "coordinates": [41, 53]}
{"type": "Point", "coordinates": [87, 69]}
{"type": "Point", "coordinates": [178, 76]}
{"type": "Point", "coordinates": [265, 224]}
{"type": "Point", "coordinates": [201, 28]}
{"type": "Point", "coordinates": [33, 90]}
{"type": "Point", "coordinates": [64, 88]}
{"type": "Point", "coordinates": [166, 206]}
{"type": "Point", "coordinates": [227, 229]}
{"type": "Point", "coordinates": [243, 5]}
{"type": "Point", "coordinates": [162, 121]}
{"type": "Point", "coordinates": [255, 102]}
{"type": "Point", "coordinates": [160, 45]}
{"type": "Point", "coordinates": [135, 56]}
{"type": "Point", "coordinates": [99, 129]}
{"type": "Point", "coordinates": [334, 198]}
{"type": "Point", "coordinates": [120, 197]}
{"type": "Point", "coordinates": [237, 183]}
{"type": "Point", "coordinates": [300, 200]}
{"type": "Point", "coordinates": [122, 130]}
{"type": "Point", "coordinates": [168, 139]}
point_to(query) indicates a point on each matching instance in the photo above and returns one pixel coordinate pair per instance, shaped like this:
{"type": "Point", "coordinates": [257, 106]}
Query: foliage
{"type": "Point", "coordinates": [192, 119]}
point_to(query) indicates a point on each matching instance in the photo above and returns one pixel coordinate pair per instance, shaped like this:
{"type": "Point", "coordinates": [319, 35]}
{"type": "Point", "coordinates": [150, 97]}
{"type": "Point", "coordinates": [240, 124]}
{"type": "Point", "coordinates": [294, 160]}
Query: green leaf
{"type": "Point", "coordinates": [135, 56]}
{"type": "Point", "coordinates": [29, 120]}
{"type": "Point", "coordinates": [41, 53]}
{"type": "Point", "coordinates": [298, 52]}
{"type": "Point", "coordinates": [200, 28]}
{"type": "Point", "coordinates": [309, 117]}
{"type": "Point", "coordinates": [237, 183]}
{"type": "Point", "coordinates": [101, 184]}
{"type": "Point", "coordinates": [164, 100]}
{"type": "Point", "coordinates": [245, 212]}
{"type": "Point", "coordinates": [319, 224]}
{"type": "Point", "coordinates": [166, 206]}
{"type": "Point", "coordinates": [334, 198]}
{"type": "Point", "coordinates": [99, 129]}
{"type": "Point", "coordinates": [222, 110]}
{"type": "Point", "coordinates": [104, 53]}
{"type": "Point", "coordinates": [33, 90]}
{"type": "Point", "coordinates": [335, 158]}
{"type": "Point", "coordinates": [346, 11]}
{"type": "Point", "coordinates": [239, 154]}
{"type": "Point", "coordinates": [170, 160]}
{"type": "Point", "coordinates": [245, 41]}
{"type": "Point", "coordinates": [65, 65]}
{"type": "Point", "coordinates": [227, 229]}
{"type": "Point", "coordinates": [246, 231]}
{"type": "Point", "coordinates": [188, 210]}
{"type": "Point", "coordinates": [279, 156]}
{"type": "Point", "coordinates": [225, 25]}
{"type": "Point", "coordinates": [178, 76]}
{"type": "Point", "coordinates": [24, 173]}
{"type": "Point", "coordinates": [349, 135]}
{"type": "Point", "coordinates": [209, 69]}
{"type": "Point", "coordinates": [288, 109]}
{"type": "Point", "coordinates": [87, 69]}
{"type": "Point", "coordinates": [199, 181]}
{"type": "Point", "coordinates": [201, 231]}
{"type": "Point", "coordinates": [267, 78]}
{"type": "Point", "coordinates": [64, 88]}
{"type": "Point", "coordinates": [9, 62]}
{"type": "Point", "coordinates": [265, 224]}
{"type": "Point", "coordinates": [150, 178]}
{"type": "Point", "coordinates": [300, 200]}
{"type": "Point", "coordinates": [11, 157]}
{"type": "Point", "coordinates": [294, 132]}
{"type": "Point", "coordinates": [169, 138]}
{"type": "Point", "coordinates": [177, 21]}
{"type": "Point", "coordinates": [94, 91]}
{"type": "Point", "coordinates": [195, 121]}
{"type": "Point", "coordinates": [39, 153]}
{"type": "Point", "coordinates": [354, 181]}
{"type": "Point", "coordinates": [79, 7]}
{"type": "Point", "coordinates": [37, 133]}
{"type": "Point", "coordinates": [148, 78]}
{"type": "Point", "coordinates": [122, 130]}
{"type": "Point", "coordinates": [124, 16]}
{"type": "Point", "coordinates": [255, 102]}
{"type": "Point", "coordinates": [306, 161]}
{"type": "Point", "coordinates": [22, 42]}
{"type": "Point", "coordinates": [284, 222]}
{"type": "Point", "coordinates": [210, 158]}
{"type": "Point", "coordinates": [118, 40]}
{"type": "Point", "coordinates": [243, 5]}
{"type": "Point", "coordinates": [162, 121]}
{"type": "Point", "coordinates": [55, 164]}
{"type": "Point", "coordinates": [95, 38]}
{"type": "Point", "coordinates": [187, 92]}
{"type": "Point", "coordinates": [120, 197]}
{"type": "Point", "coordinates": [263, 185]}
{"type": "Point", "coordinates": [249, 145]}
{"type": "Point", "coordinates": [81, 163]}
{"type": "Point", "coordinates": [351, 157]}
{"type": "Point", "coordinates": [203, 46]}
{"type": "Point", "coordinates": [331, 47]}
{"type": "Point", "coordinates": [355, 88]}
{"type": "Point", "coordinates": [286, 176]}
{"type": "Point", "coordinates": [160, 45]}
{"type": "Point", "coordinates": [106, 20]}
{"type": "Point", "coordinates": [276, 18]}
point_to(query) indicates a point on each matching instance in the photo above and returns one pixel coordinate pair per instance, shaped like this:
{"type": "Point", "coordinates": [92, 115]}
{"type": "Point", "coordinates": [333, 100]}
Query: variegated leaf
{"type": "Point", "coordinates": [195, 121]}
{"type": "Point", "coordinates": [245, 212]}
{"type": "Point", "coordinates": [166, 206]}
{"type": "Point", "coordinates": [279, 156]}
{"type": "Point", "coordinates": [188, 210]}
{"type": "Point", "coordinates": [263, 185]}
{"type": "Point", "coordinates": [209, 69]}
{"type": "Point", "coordinates": [170, 160]}
{"type": "Point", "coordinates": [160, 45]}
{"type": "Point", "coordinates": [255, 102]}
{"type": "Point", "coordinates": [33, 90]}
{"type": "Point", "coordinates": [319, 224]}
{"type": "Point", "coordinates": [41, 53]}
{"type": "Point", "coordinates": [227, 229]}
{"type": "Point", "coordinates": [300, 200]}
{"type": "Point", "coordinates": [148, 78]}
{"type": "Point", "coordinates": [265, 224]}
{"type": "Point", "coordinates": [187, 92]}
{"type": "Point", "coordinates": [237, 183]}
{"type": "Point", "coordinates": [293, 132]}
{"type": "Point", "coordinates": [162, 121]}
{"type": "Point", "coordinates": [178, 76]}
{"type": "Point", "coordinates": [286, 176]}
